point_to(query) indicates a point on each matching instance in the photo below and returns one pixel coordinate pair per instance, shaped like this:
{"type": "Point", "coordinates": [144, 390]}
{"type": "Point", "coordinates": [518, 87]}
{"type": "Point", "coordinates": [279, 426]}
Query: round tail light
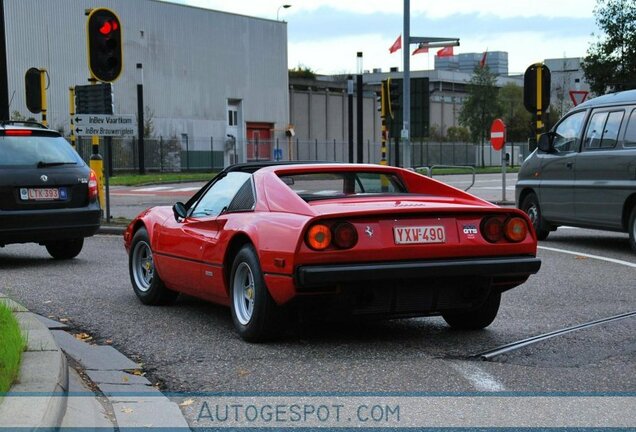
{"type": "Point", "coordinates": [492, 229]}
{"type": "Point", "coordinates": [318, 237]}
{"type": "Point", "coordinates": [345, 235]}
{"type": "Point", "coordinates": [515, 229]}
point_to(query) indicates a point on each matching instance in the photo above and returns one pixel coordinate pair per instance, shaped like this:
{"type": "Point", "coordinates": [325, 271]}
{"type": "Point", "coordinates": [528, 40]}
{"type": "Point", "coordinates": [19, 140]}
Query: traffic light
{"type": "Point", "coordinates": [382, 99]}
{"type": "Point", "coordinates": [536, 85]}
{"type": "Point", "coordinates": [105, 55]}
{"type": "Point", "coordinates": [394, 96]}
{"type": "Point", "coordinates": [33, 87]}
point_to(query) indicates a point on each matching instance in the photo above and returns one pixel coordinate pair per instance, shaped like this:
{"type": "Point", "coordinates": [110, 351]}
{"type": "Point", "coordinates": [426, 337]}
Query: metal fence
{"type": "Point", "coordinates": [210, 154]}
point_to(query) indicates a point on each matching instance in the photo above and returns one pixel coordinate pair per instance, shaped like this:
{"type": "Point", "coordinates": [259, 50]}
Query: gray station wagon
{"type": "Point", "coordinates": [584, 171]}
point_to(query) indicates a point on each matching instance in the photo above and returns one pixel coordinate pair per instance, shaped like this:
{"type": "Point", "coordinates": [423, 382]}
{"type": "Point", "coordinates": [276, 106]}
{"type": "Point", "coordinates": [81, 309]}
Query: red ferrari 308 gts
{"type": "Point", "coordinates": [352, 239]}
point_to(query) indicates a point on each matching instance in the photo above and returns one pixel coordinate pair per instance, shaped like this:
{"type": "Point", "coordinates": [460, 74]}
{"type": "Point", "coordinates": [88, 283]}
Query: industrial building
{"type": "Point", "coordinates": [215, 82]}
{"type": "Point", "coordinates": [497, 62]}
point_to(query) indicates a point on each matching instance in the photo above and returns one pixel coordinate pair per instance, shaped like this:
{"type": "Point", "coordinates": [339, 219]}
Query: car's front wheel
{"type": "Point", "coordinates": [530, 205]}
{"type": "Point", "coordinates": [475, 319]}
{"type": "Point", "coordinates": [254, 313]}
{"type": "Point", "coordinates": [65, 249]}
{"type": "Point", "coordinates": [146, 283]}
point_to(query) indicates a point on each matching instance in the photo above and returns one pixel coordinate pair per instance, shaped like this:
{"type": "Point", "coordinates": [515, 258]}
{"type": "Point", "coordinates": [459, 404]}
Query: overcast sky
{"type": "Point", "coordinates": [325, 35]}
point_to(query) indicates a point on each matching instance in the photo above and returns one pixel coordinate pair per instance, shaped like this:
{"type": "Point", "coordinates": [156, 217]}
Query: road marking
{"type": "Point", "coordinates": [480, 379]}
{"type": "Point", "coordinates": [597, 257]}
{"type": "Point", "coordinates": [152, 189]}
{"type": "Point", "coordinates": [186, 189]}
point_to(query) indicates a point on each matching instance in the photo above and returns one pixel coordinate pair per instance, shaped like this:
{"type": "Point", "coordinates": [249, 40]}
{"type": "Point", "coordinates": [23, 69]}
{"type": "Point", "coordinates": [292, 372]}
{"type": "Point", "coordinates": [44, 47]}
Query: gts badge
{"type": "Point", "coordinates": [470, 231]}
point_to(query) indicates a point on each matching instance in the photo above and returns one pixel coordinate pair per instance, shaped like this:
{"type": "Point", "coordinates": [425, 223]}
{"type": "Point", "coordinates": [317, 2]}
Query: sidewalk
{"type": "Point", "coordinates": [65, 382]}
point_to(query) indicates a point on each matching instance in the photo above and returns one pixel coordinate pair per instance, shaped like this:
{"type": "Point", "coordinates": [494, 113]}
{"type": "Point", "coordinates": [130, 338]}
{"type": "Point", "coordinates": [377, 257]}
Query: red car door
{"type": "Point", "coordinates": [178, 250]}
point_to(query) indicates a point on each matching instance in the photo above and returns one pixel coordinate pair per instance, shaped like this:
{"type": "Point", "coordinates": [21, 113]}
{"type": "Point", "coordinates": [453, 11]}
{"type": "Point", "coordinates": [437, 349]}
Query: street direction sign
{"type": "Point", "coordinates": [497, 134]}
{"type": "Point", "coordinates": [118, 125]}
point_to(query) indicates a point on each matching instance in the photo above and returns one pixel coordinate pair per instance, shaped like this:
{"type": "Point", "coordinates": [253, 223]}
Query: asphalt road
{"type": "Point", "coordinates": [192, 346]}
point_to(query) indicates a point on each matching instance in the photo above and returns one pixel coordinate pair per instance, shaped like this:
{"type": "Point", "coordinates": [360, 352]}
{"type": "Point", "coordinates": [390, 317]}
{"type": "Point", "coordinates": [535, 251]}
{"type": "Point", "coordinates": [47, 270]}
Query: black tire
{"type": "Point", "coordinates": [475, 319]}
{"type": "Point", "coordinates": [255, 315]}
{"type": "Point", "coordinates": [530, 206]}
{"type": "Point", "coordinates": [146, 282]}
{"type": "Point", "coordinates": [65, 249]}
{"type": "Point", "coordinates": [631, 226]}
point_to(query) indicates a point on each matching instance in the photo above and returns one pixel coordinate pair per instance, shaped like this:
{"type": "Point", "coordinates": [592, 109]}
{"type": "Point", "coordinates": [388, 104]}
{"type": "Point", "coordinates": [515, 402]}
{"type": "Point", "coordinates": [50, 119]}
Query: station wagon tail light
{"type": "Point", "coordinates": [515, 229]}
{"type": "Point", "coordinates": [492, 229]}
{"type": "Point", "coordinates": [345, 235]}
{"type": "Point", "coordinates": [318, 237]}
{"type": "Point", "coordinates": [92, 186]}
{"type": "Point", "coordinates": [18, 132]}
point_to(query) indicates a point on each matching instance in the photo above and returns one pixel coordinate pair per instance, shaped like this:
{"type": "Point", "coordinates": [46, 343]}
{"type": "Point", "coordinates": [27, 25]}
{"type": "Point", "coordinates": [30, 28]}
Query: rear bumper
{"type": "Point", "coordinates": [48, 225]}
{"type": "Point", "coordinates": [506, 272]}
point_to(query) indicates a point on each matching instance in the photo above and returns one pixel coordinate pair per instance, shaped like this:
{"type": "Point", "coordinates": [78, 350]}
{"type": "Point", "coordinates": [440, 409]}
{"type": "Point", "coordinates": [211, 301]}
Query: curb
{"type": "Point", "coordinates": [43, 377]}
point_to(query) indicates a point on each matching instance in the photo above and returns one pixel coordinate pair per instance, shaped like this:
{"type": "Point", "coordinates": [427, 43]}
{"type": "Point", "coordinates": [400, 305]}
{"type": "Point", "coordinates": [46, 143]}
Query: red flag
{"type": "Point", "coordinates": [396, 45]}
{"type": "Point", "coordinates": [445, 52]}
{"type": "Point", "coordinates": [482, 63]}
{"type": "Point", "coordinates": [423, 48]}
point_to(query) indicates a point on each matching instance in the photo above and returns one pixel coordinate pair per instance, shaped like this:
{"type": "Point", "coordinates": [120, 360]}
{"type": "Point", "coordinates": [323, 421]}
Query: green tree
{"type": "Point", "coordinates": [301, 71]}
{"type": "Point", "coordinates": [610, 64]}
{"type": "Point", "coordinates": [515, 115]}
{"type": "Point", "coordinates": [481, 107]}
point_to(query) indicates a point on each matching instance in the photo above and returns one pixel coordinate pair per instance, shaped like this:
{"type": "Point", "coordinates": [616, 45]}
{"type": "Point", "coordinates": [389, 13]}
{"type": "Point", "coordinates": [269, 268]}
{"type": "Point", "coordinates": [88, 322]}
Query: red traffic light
{"type": "Point", "coordinates": [105, 55]}
{"type": "Point", "coordinates": [108, 27]}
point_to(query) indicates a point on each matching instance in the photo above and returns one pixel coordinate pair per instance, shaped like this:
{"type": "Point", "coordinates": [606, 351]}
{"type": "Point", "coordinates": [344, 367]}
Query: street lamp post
{"type": "Point", "coordinates": [285, 6]}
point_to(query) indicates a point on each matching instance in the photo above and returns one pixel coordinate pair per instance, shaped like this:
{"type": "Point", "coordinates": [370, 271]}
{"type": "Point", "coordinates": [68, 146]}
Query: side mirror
{"type": "Point", "coordinates": [179, 211]}
{"type": "Point", "coordinates": [546, 142]}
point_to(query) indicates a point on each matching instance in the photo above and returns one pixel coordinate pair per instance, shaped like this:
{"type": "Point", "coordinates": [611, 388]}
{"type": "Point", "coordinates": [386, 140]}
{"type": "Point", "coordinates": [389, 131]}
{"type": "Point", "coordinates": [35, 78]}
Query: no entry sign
{"type": "Point", "coordinates": [497, 134]}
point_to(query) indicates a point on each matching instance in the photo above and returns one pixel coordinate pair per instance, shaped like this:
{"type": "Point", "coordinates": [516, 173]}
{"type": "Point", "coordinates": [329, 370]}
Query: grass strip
{"type": "Point", "coordinates": [12, 344]}
{"type": "Point", "coordinates": [158, 178]}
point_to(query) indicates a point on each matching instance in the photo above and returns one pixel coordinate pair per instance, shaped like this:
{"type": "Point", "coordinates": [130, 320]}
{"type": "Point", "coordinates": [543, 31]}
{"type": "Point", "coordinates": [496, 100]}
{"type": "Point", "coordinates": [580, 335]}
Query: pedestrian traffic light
{"type": "Point", "coordinates": [105, 56]}
{"type": "Point", "coordinates": [33, 87]}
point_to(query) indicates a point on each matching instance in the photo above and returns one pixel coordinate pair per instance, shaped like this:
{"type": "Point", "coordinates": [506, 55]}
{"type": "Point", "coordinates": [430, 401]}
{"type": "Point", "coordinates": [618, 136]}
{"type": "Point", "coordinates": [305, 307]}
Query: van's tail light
{"type": "Point", "coordinates": [93, 190]}
{"type": "Point", "coordinates": [515, 229]}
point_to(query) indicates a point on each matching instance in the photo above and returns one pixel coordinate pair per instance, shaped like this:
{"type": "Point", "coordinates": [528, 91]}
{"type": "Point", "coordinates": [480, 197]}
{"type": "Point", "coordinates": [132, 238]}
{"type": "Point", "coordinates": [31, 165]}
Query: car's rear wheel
{"type": "Point", "coordinates": [530, 205]}
{"type": "Point", "coordinates": [632, 229]}
{"type": "Point", "coordinates": [475, 319]}
{"type": "Point", "coordinates": [146, 283]}
{"type": "Point", "coordinates": [65, 249]}
{"type": "Point", "coordinates": [254, 313]}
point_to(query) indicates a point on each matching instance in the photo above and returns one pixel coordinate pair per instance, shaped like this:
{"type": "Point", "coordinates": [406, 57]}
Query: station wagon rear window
{"type": "Point", "coordinates": [29, 151]}
{"type": "Point", "coordinates": [314, 186]}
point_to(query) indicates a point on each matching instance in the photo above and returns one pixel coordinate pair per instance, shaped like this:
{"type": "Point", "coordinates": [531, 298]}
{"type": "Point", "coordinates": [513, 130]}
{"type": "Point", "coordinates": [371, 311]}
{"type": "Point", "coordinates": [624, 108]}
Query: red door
{"type": "Point", "coordinates": [259, 141]}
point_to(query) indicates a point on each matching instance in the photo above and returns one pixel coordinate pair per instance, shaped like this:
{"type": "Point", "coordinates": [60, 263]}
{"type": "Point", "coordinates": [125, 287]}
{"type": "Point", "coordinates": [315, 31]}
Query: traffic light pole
{"type": "Point", "coordinates": [43, 96]}
{"type": "Point", "coordinates": [71, 110]}
{"type": "Point", "coordinates": [406, 88]}
{"type": "Point", "coordinates": [430, 42]}
{"type": "Point", "coordinates": [140, 122]}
